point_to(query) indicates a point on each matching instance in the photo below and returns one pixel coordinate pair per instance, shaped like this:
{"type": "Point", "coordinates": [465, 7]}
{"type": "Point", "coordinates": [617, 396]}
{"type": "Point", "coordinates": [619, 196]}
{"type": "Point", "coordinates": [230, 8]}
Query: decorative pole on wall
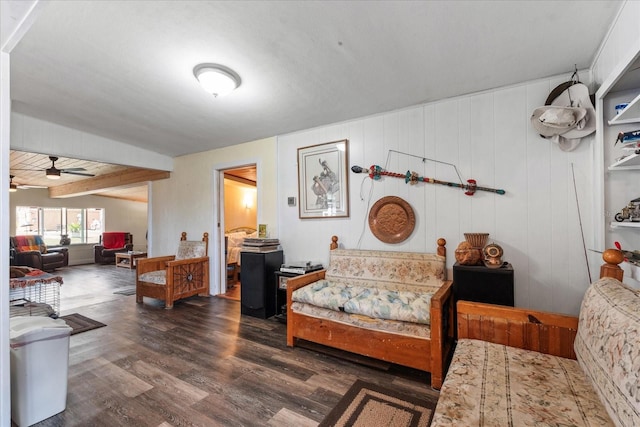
{"type": "Point", "coordinates": [375, 172]}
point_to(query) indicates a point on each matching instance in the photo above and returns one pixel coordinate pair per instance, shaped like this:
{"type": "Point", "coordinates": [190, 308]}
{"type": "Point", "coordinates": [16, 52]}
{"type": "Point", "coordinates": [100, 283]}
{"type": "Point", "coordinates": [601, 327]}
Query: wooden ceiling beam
{"type": "Point", "coordinates": [105, 182]}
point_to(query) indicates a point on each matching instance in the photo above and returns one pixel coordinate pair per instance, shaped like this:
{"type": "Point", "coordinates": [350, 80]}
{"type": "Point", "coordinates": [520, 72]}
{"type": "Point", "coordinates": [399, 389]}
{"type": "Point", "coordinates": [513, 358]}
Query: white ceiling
{"type": "Point", "coordinates": [123, 69]}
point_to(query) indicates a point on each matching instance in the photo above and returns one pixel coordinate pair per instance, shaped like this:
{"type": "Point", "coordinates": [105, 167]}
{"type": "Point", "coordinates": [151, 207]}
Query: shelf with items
{"type": "Point", "coordinates": [631, 114]}
{"type": "Point", "coordinates": [630, 162]}
{"type": "Point", "coordinates": [625, 225]}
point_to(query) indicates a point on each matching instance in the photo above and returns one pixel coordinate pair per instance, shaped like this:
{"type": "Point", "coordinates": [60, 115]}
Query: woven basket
{"type": "Point", "coordinates": [477, 240]}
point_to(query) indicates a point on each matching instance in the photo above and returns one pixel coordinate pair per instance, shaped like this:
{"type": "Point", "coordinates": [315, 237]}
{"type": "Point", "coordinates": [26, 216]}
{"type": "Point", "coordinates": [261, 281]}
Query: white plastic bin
{"type": "Point", "coordinates": [39, 368]}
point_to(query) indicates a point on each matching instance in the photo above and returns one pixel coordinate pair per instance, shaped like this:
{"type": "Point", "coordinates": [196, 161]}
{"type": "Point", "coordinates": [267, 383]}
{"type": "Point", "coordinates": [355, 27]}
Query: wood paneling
{"type": "Point", "coordinates": [128, 177]}
{"type": "Point", "coordinates": [489, 138]}
{"type": "Point", "coordinates": [110, 180]}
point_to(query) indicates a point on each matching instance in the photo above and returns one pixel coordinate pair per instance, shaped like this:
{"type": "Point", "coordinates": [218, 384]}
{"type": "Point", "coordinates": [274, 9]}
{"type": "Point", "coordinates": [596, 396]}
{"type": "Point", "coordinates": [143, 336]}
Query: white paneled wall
{"type": "Point", "coordinates": [621, 45]}
{"type": "Point", "coordinates": [489, 138]}
{"type": "Point", "coordinates": [40, 136]}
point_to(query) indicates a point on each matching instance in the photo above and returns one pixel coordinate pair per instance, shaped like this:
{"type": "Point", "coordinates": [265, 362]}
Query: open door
{"type": "Point", "coordinates": [239, 202]}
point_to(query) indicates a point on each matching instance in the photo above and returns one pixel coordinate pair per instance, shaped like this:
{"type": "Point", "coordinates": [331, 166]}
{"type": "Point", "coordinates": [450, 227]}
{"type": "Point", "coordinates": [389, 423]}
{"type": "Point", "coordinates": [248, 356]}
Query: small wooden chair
{"type": "Point", "coordinates": [174, 277]}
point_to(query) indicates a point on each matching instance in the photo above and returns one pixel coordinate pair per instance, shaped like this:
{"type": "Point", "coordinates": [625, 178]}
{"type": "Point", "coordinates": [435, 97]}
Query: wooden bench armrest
{"type": "Point", "coordinates": [294, 283]}
{"type": "Point", "coordinates": [540, 331]}
{"type": "Point", "coordinates": [442, 329]}
{"type": "Point", "coordinates": [297, 282]}
{"type": "Point", "coordinates": [145, 265]}
{"type": "Point", "coordinates": [186, 261]}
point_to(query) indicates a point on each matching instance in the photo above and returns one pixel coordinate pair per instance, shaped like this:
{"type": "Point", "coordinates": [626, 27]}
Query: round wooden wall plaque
{"type": "Point", "coordinates": [391, 219]}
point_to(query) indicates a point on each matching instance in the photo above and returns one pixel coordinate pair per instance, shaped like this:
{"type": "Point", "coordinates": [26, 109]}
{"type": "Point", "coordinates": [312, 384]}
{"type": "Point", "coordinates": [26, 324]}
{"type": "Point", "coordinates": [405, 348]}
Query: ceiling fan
{"type": "Point", "coordinates": [54, 173]}
{"type": "Point", "coordinates": [15, 187]}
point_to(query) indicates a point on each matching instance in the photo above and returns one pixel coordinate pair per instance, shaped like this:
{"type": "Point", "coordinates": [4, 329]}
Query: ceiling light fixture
{"type": "Point", "coordinates": [216, 79]}
{"type": "Point", "coordinates": [53, 173]}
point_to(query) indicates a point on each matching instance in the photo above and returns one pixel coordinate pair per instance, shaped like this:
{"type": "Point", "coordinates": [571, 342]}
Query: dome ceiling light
{"type": "Point", "coordinates": [216, 79]}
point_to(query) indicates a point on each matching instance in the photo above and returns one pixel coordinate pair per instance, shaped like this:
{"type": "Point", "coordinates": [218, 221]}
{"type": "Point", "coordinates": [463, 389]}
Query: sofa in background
{"type": "Point", "coordinates": [32, 251]}
{"type": "Point", "coordinates": [517, 367]}
{"type": "Point", "coordinates": [392, 306]}
{"type": "Point", "coordinates": [111, 243]}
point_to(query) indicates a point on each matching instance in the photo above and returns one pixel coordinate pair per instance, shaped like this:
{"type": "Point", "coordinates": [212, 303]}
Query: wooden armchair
{"type": "Point", "coordinates": [174, 277]}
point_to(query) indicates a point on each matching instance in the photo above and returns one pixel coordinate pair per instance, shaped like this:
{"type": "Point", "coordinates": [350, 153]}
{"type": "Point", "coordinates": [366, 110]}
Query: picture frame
{"type": "Point", "coordinates": [323, 180]}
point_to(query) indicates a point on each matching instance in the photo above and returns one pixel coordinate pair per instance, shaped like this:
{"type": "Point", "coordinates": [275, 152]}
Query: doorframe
{"type": "Point", "coordinates": [16, 19]}
{"type": "Point", "coordinates": [220, 266]}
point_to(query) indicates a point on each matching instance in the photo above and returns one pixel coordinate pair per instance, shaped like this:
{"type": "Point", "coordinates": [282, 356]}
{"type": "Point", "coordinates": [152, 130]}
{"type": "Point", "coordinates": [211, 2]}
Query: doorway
{"type": "Point", "coordinates": [240, 206]}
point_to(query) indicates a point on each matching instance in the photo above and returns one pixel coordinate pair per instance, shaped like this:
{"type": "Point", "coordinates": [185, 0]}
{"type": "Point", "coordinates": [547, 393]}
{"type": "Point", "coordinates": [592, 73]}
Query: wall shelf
{"type": "Point", "coordinates": [631, 114]}
{"type": "Point", "coordinates": [630, 162]}
{"type": "Point", "coordinates": [625, 225]}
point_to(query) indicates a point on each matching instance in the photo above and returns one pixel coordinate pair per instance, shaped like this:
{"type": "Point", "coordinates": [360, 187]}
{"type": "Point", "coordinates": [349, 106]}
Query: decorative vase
{"type": "Point", "coordinates": [467, 254]}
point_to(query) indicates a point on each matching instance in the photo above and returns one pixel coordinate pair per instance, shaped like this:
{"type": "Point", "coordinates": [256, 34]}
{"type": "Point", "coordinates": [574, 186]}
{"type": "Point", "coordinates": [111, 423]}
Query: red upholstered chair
{"type": "Point", "coordinates": [174, 277]}
{"type": "Point", "coordinates": [111, 243]}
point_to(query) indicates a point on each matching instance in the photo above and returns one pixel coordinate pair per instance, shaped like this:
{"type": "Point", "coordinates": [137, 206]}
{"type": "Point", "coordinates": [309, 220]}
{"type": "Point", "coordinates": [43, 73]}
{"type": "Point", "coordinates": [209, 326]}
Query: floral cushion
{"type": "Point", "coordinates": [378, 284]}
{"type": "Point", "coordinates": [495, 385]}
{"type": "Point", "coordinates": [607, 347]}
{"type": "Point", "coordinates": [408, 268]}
{"type": "Point", "coordinates": [325, 294]}
{"type": "Point", "coordinates": [191, 249]}
{"type": "Point", "coordinates": [159, 277]}
{"type": "Point", "coordinates": [391, 286]}
{"type": "Point", "coordinates": [393, 305]}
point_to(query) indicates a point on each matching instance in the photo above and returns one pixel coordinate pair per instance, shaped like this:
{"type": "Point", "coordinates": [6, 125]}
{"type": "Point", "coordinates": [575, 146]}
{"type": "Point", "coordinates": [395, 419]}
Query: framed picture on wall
{"type": "Point", "coordinates": [323, 181]}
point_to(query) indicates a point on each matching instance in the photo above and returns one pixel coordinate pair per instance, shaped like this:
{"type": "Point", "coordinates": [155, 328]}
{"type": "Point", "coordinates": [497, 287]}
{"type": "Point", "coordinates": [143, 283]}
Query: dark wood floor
{"type": "Point", "coordinates": [200, 364]}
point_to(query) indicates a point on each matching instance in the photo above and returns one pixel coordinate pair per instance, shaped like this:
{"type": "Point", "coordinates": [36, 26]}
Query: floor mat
{"type": "Point", "coordinates": [367, 404]}
{"type": "Point", "coordinates": [80, 323]}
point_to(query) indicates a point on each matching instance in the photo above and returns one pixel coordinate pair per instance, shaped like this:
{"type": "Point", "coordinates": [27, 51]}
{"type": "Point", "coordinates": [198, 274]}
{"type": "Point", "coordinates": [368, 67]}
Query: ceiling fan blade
{"type": "Point", "coordinates": [73, 170]}
{"type": "Point", "coordinates": [30, 170]}
{"type": "Point", "coordinates": [75, 173]}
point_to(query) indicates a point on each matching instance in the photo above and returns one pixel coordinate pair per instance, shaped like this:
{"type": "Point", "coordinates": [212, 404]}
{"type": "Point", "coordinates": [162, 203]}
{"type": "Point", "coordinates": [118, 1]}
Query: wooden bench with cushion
{"type": "Point", "coordinates": [522, 367]}
{"type": "Point", "coordinates": [392, 306]}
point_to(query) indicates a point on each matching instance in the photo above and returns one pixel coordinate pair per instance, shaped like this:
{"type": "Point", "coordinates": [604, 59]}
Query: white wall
{"type": "Point", "coordinates": [489, 138]}
{"type": "Point", "coordinates": [40, 136]}
{"type": "Point", "coordinates": [15, 21]}
{"type": "Point", "coordinates": [188, 200]}
{"type": "Point", "coordinates": [120, 215]}
{"type": "Point", "coordinates": [623, 37]}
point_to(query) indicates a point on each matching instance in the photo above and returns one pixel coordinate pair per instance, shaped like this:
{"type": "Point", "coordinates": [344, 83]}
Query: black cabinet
{"type": "Point", "coordinates": [482, 284]}
{"type": "Point", "coordinates": [258, 294]}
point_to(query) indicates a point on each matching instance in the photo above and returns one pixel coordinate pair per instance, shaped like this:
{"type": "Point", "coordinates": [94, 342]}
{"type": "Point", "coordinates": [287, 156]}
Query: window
{"type": "Point", "coordinates": [82, 225]}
